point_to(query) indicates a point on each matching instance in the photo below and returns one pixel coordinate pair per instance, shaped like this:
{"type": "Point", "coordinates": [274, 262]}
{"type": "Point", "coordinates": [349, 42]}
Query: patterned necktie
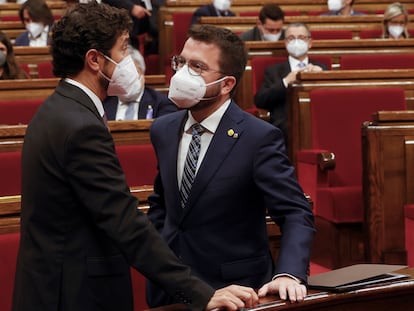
{"type": "Point", "coordinates": [191, 163]}
{"type": "Point", "coordinates": [129, 113]}
{"type": "Point", "coordinates": [301, 65]}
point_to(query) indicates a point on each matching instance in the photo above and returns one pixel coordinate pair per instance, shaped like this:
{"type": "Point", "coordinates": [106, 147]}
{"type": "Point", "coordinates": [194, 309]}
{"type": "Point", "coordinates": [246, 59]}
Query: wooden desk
{"type": "Point", "coordinates": [398, 296]}
{"type": "Point", "coordinates": [388, 163]}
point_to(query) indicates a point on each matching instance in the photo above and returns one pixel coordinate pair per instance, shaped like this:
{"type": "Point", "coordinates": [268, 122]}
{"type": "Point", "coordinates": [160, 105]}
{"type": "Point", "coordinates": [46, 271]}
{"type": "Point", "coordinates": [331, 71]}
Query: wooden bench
{"type": "Point", "coordinates": [299, 123]}
{"type": "Point", "coordinates": [388, 162]}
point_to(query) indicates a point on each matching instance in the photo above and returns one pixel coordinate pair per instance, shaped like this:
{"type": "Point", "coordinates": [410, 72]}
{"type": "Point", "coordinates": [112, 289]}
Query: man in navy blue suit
{"type": "Point", "coordinates": [221, 170]}
{"type": "Point", "coordinates": [147, 103]}
{"type": "Point", "coordinates": [216, 8]}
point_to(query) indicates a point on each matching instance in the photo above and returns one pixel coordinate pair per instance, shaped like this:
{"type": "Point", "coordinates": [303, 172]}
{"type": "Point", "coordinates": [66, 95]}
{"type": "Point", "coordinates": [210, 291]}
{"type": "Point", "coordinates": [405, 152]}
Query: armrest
{"type": "Point", "coordinates": [313, 166]}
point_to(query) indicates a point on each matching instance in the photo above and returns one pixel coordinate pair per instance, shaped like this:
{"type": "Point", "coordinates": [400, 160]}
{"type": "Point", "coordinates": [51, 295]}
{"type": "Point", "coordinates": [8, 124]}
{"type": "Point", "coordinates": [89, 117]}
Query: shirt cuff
{"type": "Point", "coordinates": [288, 275]}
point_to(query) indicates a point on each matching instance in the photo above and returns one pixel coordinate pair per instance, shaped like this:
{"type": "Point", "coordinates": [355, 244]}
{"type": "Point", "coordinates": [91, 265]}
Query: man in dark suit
{"type": "Point", "coordinates": [80, 227]}
{"type": "Point", "coordinates": [217, 8]}
{"type": "Point", "coordinates": [146, 104]}
{"type": "Point", "coordinates": [215, 221]}
{"type": "Point", "coordinates": [272, 93]}
{"type": "Point", "coordinates": [269, 25]}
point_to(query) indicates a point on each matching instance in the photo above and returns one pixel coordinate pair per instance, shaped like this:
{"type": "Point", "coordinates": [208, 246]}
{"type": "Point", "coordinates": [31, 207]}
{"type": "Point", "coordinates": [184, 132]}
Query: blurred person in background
{"type": "Point", "coordinates": [9, 68]}
{"type": "Point", "coordinates": [216, 8]}
{"type": "Point", "coordinates": [341, 7]}
{"type": "Point", "coordinates": [395, 22]}
{"type": "Point", "coordinates": [38, 21]}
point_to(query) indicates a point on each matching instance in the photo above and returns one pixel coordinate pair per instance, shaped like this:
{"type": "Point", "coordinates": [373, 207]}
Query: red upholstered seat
{"type": "Point", "coordinates": [409, 233]}
{"type": "Point", "coordinates": [10, 168]}
{"type": "Point", "coordinates": [377, 61]}
{"type": "Point", "coordinates": [139, 163]}
{"type": "Point", "coordinates": [325, 34]}
{"type": "Point", "coordinates": [336, 117]}
{"type": "Point", "coordinates": [45, 70]}
{"type": "Point", "coordinates": [138, 290]}
{"type": "Point", "coordinates": [370, 33]}
{"type": "Point", "coordinates": [9, 245]}
{"type": "Point", "coordinates": [18, 111]}
{"type": "Point", "coordinates": [182, 21]}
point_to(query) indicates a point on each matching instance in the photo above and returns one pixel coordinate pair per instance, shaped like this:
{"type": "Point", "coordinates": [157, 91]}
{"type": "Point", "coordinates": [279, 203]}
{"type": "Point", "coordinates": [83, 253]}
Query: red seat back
{"type": "Point", "coordinates": [9, 246]}
{"type": "Point", "coordinates": [139, 163]}
{"type": "Point", "coordinates": [322, 34]}
{"type": "Point", "coordinates": [370, 33]}
{"type": "Point", "coordinates": [337, 116]}
{"type": "Point", "coordinates": [45, 70]}
{"type": "Point", "coordinates": [18, 111]}
{"type": "Point", "coordinates": [259, 64]}
{"type": "Point", "coordinates": [377, 61]}
{"type": "Point", "coordinates": [10, 168]}
{"type": "Point", "coordinates": [182, 21]}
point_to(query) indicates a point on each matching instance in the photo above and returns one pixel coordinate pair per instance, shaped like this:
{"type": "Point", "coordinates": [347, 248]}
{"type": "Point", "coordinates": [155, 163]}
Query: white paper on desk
{"type": "Point", "coordinates": [148, 4]}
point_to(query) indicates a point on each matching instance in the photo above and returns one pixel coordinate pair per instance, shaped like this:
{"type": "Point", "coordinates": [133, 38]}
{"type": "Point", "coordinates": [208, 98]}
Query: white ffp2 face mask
{"type": "Point", "coordinates": [125, 81]}
{"type": "Point", "coordinates": [271, 36]}
{"type": "Point", "coordinates": [395, 31]}
{"type": "Point", "coordinates": [35, 29]}
{"type": "Point", "coordinates": [222, 5]}
{"type": "Point", "coordinates": [297, 48]}
{"type": "Point", "coordinates": [335, 5]}
{"type": "Point", "coordinates": [187, 90]}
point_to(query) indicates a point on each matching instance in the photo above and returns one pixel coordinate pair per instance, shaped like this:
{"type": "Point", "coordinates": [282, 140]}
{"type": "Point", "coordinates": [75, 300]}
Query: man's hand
{"type": "Point", "coordinates": [139, 11]}
{"type": "Point", "coordinates": [233, 297]}
{"type": "Point", "coordinates": [287, 288]}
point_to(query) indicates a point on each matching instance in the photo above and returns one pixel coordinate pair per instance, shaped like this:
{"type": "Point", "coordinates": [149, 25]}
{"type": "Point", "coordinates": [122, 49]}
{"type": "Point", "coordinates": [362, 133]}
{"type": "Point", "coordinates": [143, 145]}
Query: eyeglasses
{"type": "Point", "coordinates": [195, 68]}
{"type": "Point", "coordinates": [291, 38]}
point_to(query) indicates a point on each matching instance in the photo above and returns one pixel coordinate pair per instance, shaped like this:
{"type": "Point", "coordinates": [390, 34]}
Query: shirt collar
{"type": "Point", "coordinates": [211, 122]}
{"type": "Point", "coordinates": [134, 101]}
{"type": "Point", "coordinates": [95, 99]}
{"type": "Point", "coordinates": [294, 62]}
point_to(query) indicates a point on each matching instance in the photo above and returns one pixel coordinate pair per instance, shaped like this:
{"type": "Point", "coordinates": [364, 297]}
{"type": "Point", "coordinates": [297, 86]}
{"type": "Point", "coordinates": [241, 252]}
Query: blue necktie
{"type": "Point", "coordinates": [191, 163]}
{"type": "Point", "coordinates": [129, 113]}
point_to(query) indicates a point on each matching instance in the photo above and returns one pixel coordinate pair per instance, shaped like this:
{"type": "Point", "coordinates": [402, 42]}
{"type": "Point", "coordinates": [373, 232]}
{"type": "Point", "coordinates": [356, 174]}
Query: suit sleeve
{"type": "Point", "coordinates": [286, 204]}
{"type": "Point", "coordinates": [96, 177]}
{"type": "Point", "coordinates": [272, 91]}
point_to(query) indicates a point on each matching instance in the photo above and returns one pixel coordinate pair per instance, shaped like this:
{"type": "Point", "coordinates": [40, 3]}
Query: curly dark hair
{"type": "Point", "coordinates": [233, 55]}
{"type": "Point", "coordinates": [11, 69]}
{"type": "Point", "coordinates": [87, 26]}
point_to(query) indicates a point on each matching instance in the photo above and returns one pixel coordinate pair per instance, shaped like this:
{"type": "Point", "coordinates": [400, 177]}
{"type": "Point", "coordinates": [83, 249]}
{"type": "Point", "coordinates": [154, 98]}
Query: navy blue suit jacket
{"type": "Point", "coordinates": [208, 10]}
{"type": "Point", "coordinates": [221, 233]}
{"type": "Point", "coordinates": [159, 102]}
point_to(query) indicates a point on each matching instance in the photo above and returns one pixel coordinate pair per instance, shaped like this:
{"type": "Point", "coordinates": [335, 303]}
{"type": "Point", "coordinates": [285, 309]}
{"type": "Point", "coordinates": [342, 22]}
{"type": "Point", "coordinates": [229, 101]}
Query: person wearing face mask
{"type": "Point", "coordinates": [269, 25]}
{"type": "Point", "coordinates": [38, 20]}
{"type": "Point", "coordinates": [219, 170]}
{"type": "Point", "coordinates": [140, 102]}
{"type": "Point", "coordinates": [80, 228]}
{"type": "Point", "coordinates": [341, 7]}
{"type": "Point", "coordinates": [272, 93]}
{"type": "Point", "coordinates": [217, 8]}
{"type": "Point", "coordinates": [9, 67]}
{"type": "Point", "coordinates": [395, 22]}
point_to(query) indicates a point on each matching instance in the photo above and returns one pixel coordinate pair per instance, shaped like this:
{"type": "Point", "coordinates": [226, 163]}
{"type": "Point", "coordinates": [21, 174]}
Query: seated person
{"type": "Point", "coordinates": [141, 102]}
{"type": "Point", "coordinates": [38, 20]}
{"type": "Point", "coordinates": [395, 22]}
{"type": "Point", "coordinates": [217, 8]}
{"type": "Point", "coordinates": [9, 68]}
{"type": "Point", "coordinates": [341, 7]}
{"type": "Point", "coordinates": [269, 26]}
{"type": "Point", "coordinates": [272, 93]}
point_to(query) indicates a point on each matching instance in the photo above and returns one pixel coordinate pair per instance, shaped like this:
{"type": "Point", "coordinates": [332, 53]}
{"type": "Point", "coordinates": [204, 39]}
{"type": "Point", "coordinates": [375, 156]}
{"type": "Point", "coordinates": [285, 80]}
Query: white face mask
{"type": "Point", "coordinates": [297, 48]}
{"type": "Point", "coordinates": [35, 29]}
{"type": "Point", "coordinates": [395, 31]}
{"type": "Point", "coordinates": [222, 5]}
{"type": "Point", "coordinates": [335, 5]}
{"type": "Point", "coordinates": [187, 90]}
{"type": "Point", "coordinates": [271, 36]}
{"type": "Point", "coordinates": [125, 82]}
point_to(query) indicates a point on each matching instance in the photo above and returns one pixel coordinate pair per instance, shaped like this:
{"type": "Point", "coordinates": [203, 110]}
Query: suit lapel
{"type": "Point", "coordinates": [227, 134]}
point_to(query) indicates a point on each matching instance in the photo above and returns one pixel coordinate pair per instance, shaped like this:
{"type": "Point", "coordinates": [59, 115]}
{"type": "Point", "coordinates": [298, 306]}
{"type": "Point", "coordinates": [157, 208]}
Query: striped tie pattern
{"type": "Point", "coordinates": [191, 163]}
{"type": "Point", "coordinates": [129, 113]}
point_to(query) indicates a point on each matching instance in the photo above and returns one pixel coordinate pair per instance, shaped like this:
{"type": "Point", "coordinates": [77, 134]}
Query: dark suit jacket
{"type": "Point", "coordinates": [80, 228]}
{"type": "Point", "coordinates": [159, 102]}
{"type": "Point", "coordinates": [272, 93]}
{"type": "Point", "coordinates": [23, 38]}
{"type": "Point", "coordinates": [221, 233]}
{"type": "Point", "coordinates": [254, 35]}
{"type": "Point", "coordinates": [208, 10]}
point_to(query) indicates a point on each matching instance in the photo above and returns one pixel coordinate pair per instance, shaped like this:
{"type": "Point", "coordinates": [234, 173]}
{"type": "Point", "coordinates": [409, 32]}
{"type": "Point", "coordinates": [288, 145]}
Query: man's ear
{"type": "Point", "coordinates": [228, 85]}
{"type": "Point", "coordinates": [92, 59]}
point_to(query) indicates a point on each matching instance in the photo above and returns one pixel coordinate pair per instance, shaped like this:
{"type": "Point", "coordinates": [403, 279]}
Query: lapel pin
{"type": "Point", "coordinates": [231, 133]}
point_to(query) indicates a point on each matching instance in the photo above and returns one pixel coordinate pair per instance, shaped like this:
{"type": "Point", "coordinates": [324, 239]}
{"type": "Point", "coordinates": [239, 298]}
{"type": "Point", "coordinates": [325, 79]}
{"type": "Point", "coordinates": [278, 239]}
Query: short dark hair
{"type": "Point", "coordinates": [271, 11]}
{"type": "Point", "coordinates": [87, 26]}
{"type": "Point", "coordinates": [38, 11]}
{"type": "Point", "coordinates": [233, 56]}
